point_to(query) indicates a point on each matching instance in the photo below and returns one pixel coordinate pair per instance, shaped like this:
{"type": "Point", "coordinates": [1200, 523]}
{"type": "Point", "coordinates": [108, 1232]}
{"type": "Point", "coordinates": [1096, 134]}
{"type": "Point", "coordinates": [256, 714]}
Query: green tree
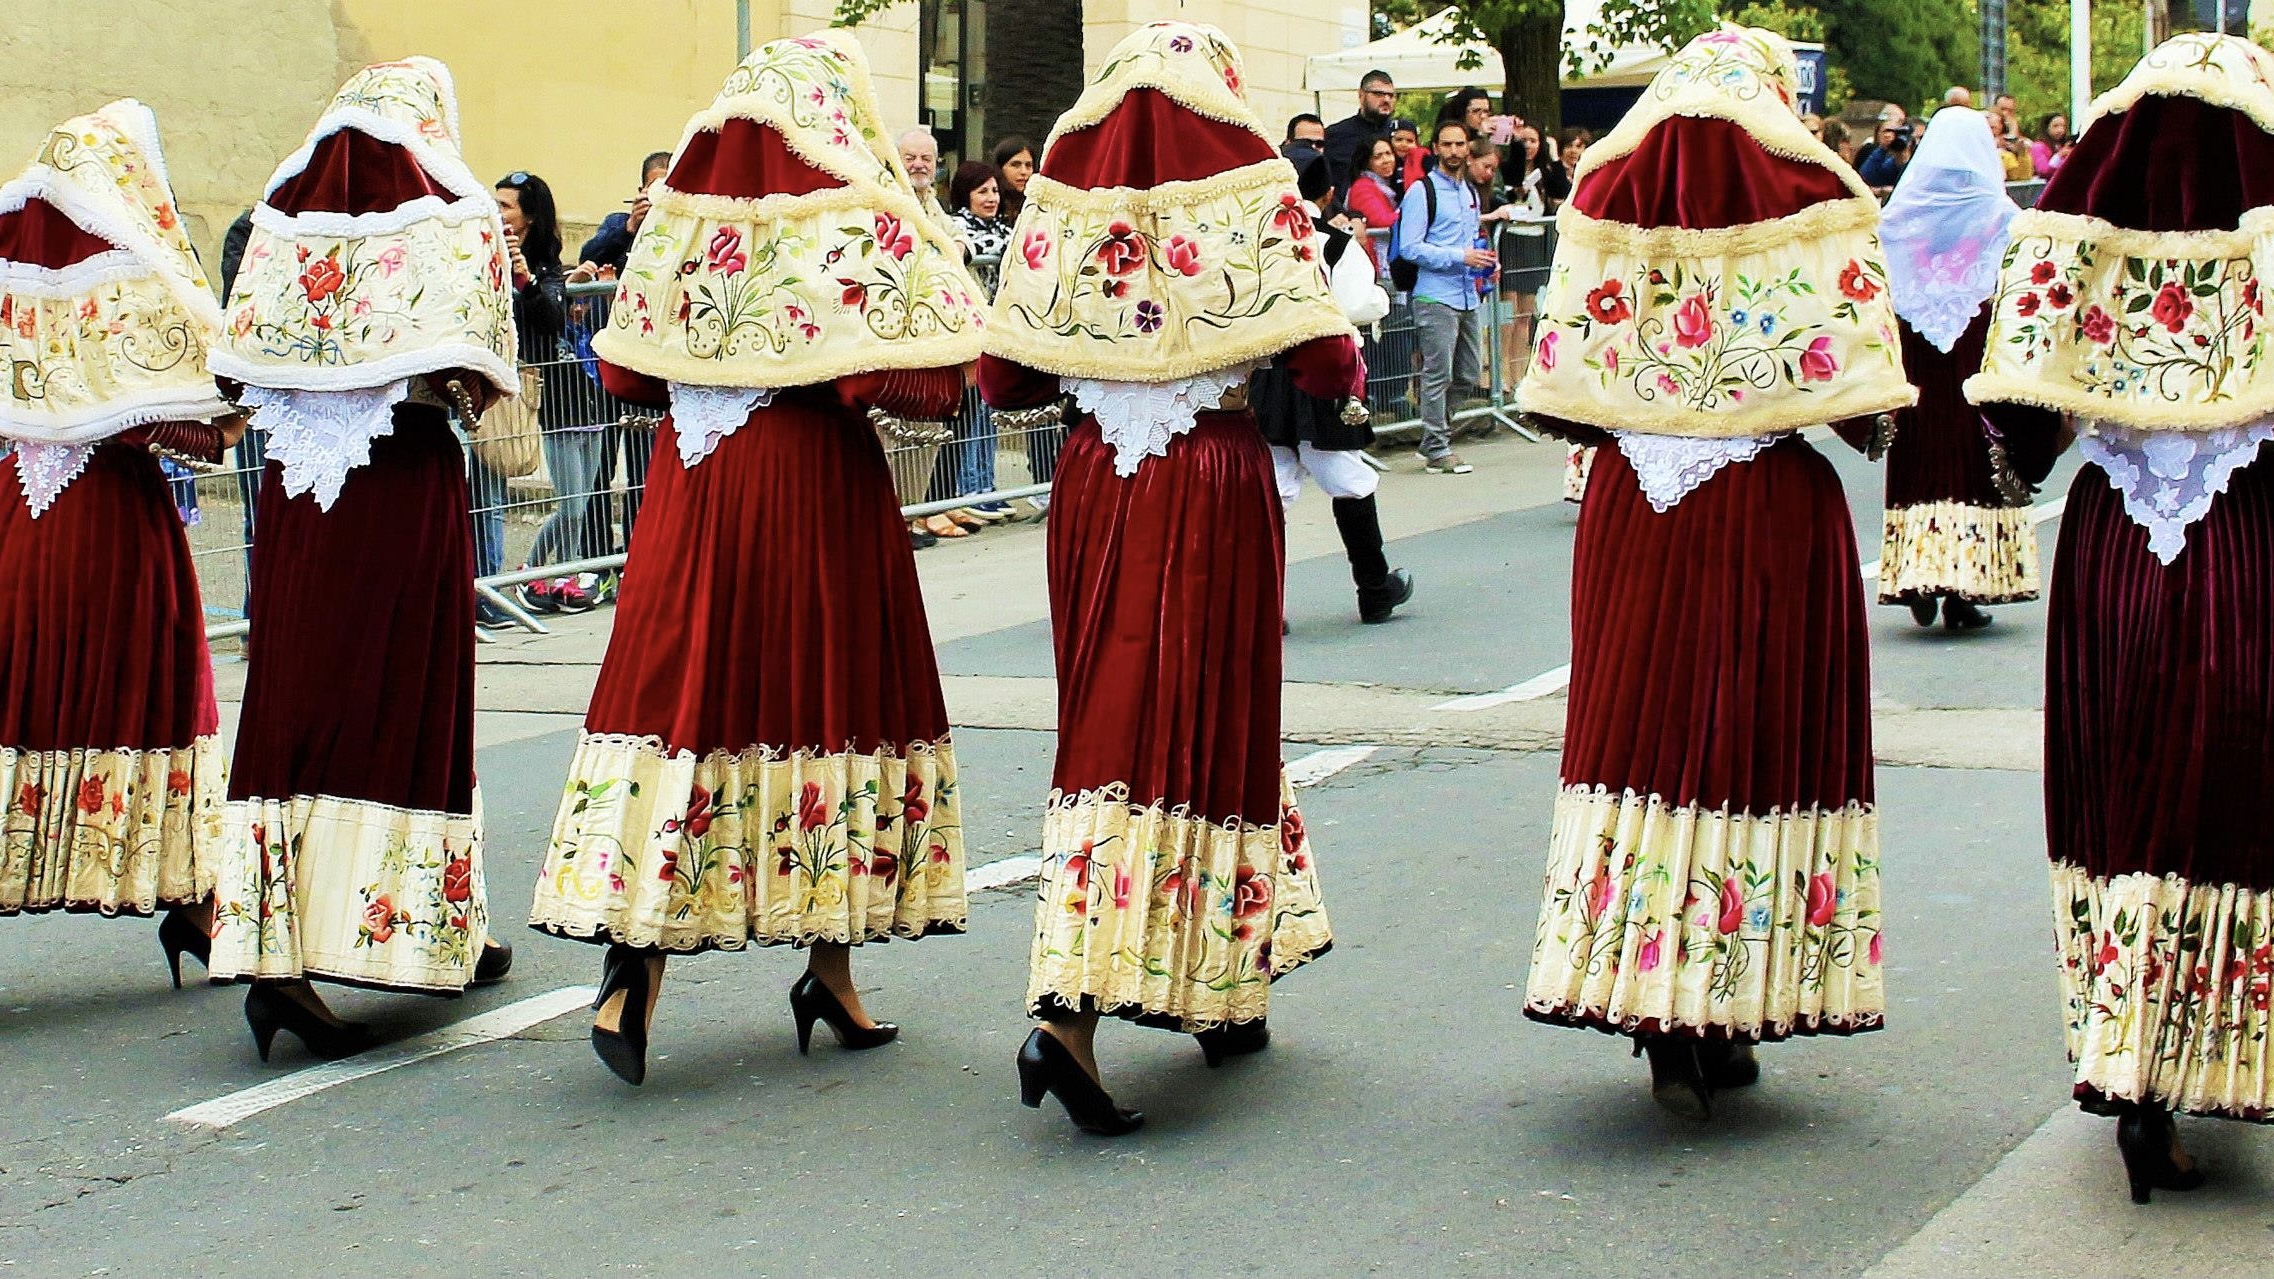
{"type": "Point", "coordinates": [2037, 54]}
{"type": "Point", "coordinates": [1528, 36]}
{"type": "Point", "coordinates": [1801, 22]}
{"type": "Point", "coordinates": [1905, 51]}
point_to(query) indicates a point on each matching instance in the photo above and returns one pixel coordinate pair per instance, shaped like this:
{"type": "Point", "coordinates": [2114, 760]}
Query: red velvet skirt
{"type": "Point", "coordinates": [1956, 522]}
{"type": "Point", "coordinates": [771, 597]}
{"type": "Point", "coordinates": [111, 773]}
{"type": "Point", "coordinates": [352, 851]}
{"type": "Point", "coordinates": [1714, 867]}
{"type": "Point", "coordinates": [1177, 880]}
{"type": "Point", "coordinates": [767, 758]}
{"type": "Point", "coordinates": [2159, 761]}
{"type": "Point", "coordinates": [1165, 605]}
{"type": "Point", "coordinates": [362, 676]}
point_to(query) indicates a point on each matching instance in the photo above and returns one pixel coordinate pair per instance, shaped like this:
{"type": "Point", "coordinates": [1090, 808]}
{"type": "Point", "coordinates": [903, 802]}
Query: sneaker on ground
{"type": "Point", "coordinates": [607, 585]}
{"type": "Point", "coordinates": [1449, 464]}
{"type": "Point", "coordinates": [537, 597]}
{"type": "Point", "coordinates": [994, 510]}
{"type": "Point", "coordinates": [489, 616]}
{"type": "Point", "coordinates": [570, 597]}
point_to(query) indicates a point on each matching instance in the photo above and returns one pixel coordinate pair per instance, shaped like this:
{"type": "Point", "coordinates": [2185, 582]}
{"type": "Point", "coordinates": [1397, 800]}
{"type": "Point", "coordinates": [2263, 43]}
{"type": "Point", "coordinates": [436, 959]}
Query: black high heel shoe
{"type": "Point", "coordinates": [180, 937]}
{"type": "Point", "coordinates": [811, 1001]}
{"type": "Point", "coordinates": [268, 1010]}
{"type": "Point", "coordinates": [2143, 1137]}
{"type": "Point", "coordinates": [1961, 615]}
{"type": "Point", "coordinates": [1923, 608]}
{"type": "Point", "coordinates": [495, 962]}
{"type": "Point", "coordinates": [1045, 1066]}
{"type": "Point", "coordinates": [1677, 1075]}
{"type": "Point", "coordinates": [1728, 1065]}
{"type": "Point", "coordinates": [1235, 1039]}
{"type": "Point", "coordinates": [624, 1049]}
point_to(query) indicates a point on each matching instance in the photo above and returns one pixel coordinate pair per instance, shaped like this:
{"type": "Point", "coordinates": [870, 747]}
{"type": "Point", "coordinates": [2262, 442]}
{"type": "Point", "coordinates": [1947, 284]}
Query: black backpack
{"type": "Point", "coordinates": [1404, 271]}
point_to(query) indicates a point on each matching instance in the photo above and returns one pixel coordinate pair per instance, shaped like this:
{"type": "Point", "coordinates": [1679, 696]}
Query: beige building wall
{"type": "Point", "coordinates": [1275, 37]}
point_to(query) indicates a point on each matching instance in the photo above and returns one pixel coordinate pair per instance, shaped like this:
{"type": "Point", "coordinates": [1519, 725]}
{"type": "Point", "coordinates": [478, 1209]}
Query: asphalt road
{"type": "Point", "coordinates": [1406, 1120]}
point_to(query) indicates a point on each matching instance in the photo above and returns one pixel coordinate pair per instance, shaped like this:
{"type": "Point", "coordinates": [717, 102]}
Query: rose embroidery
{"type": "Point", "coordinates": [1123, 252]}
{"type": "Point", "coordinates": [322, 279]}
{"type": "Point", "coordinates": [2172, 307]}
{"type": "Point", "coordinates": [91, 796]}
{"type": "Point", "coordinates": [1034, 246]}
{"type": "Point", "coordinates": [1545, 353]}
{"type": "Point", "coordinates": [379, 920]}
{"type": "Point", "coordinates": [28, 799]}
{"type": "Point", "coordinates": [1816, 363]}
{"type": "Point", "coordinates": [1183, 255]}
{"type": "Point", "coordinates": [893, 238]}
{"type": "Point", "coordinates": [725, 252]}
{"type": "Point", "coordinates": [1693, 322]}
{"type": "Point", "coordinates": [1291, 217]}
{"type": "Point", "coordinates": [1822, 898]}
{"type": "Point", "coordinates": [912, 805]}
{"type": "Point", "coordinates": [458, 878]}
{"type": "Point", "coordinates": [812, 812]}
{"type": "Point", "coordinates": [1732, 907]}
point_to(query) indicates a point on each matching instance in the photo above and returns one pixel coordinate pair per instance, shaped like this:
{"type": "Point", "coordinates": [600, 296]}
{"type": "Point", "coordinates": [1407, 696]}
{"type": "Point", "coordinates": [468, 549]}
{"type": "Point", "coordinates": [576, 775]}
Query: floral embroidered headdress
{"type": "Point", "coordinates": [376, 257]}
{"type": "Point", "coordinates": [1162, 237]}
{"type": "Point", "coordinates": [2137, 316]}
{"type": "Point", "coordinates": [1718, 273]}
{"type": "Point", "coordinates": [786, 246]}
{"type": "Point", "coordinates": [105, 316]}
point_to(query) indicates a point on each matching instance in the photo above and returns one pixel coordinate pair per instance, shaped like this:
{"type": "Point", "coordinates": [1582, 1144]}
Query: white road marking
{"type": "Point", "coordinates": [1310, 770]}
{"type": "Point", "coordinates": [1319, 765]}
{"type": "Point", "coordinates": [1547, 683]}
{"type": "Point", "coordinates": [496, 1024]}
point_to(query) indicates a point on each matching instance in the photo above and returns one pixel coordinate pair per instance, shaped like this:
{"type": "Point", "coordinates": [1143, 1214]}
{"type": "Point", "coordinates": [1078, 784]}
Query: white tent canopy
{"type": "Point", "coordinates": [1415, 60]}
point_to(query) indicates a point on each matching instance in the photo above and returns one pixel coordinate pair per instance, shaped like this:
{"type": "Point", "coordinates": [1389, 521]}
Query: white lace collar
{"type": "Point", "coordinates": [47, 469]}
{"type": "Point", "coordinates": [319, 436]}
{"type": "Point", "coordinates": [2168, 478]}
{"type": "Point", "coordinates": [1140, 418]}
{"type": "Point", "coordinates": [1669, 466]}
{"type": "Point", "coordinates": [702, 416]}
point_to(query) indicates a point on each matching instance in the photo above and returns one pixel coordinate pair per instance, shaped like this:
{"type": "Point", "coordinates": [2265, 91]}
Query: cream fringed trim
{"type": "Point", "coordinates": [187, 288]}
{"type": "Point", "coordinates": [1821, 221]}
{"type": "Point", "coordinates": [777, 208]}
{"type": "Point", "coordinates": [1047, 354]}
{"type": "Point", "coordinates": [1168, 197]}
{"type": "Point", "coordinates": [2006, 388]}
{"type": "Point", "coordinates": [2225, 71]}
{"type": "Point", "coordinates": [112, 419]}
{"type": "Point", "coordinates": [2242, 242]}
{"type": "Point", "coordinates": [620, 348]}
{"type": "Point", "coordinates": [1856, 398]}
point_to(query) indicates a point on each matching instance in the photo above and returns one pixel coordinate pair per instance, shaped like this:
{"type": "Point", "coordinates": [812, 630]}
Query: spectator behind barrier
{"type": "Point", "coordinates": [603, 255]}
{"type": "Point", "coordinates": [1377, 100]}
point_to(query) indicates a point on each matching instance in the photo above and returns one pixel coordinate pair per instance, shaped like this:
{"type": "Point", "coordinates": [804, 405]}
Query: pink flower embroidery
{"type": "Point", "coordinates": [1816, 363]}
{"type": "Point", "coordinates": [893, 238]}
{"type": "Point", "coordinates": [1667, 384]}
{"type": "Point", "coordinates": [1822, 898]}
{"type": "Point", "coordinates": [1546, 352]}
{"type": "Point", "coordinates": [1693, 322]}
{"type": "Point", "coordinates": [1732, 907]}
{"type": "Point", "coordinates": [1183, 254]}
{"type": "Point", "coordinates": [1653, 951]}
{"type": "Point", "coordinates": [725, 252]}
{"type": "Point", "coordinates": [1035, 248]}
{"type": "Point", "coordinates": [391, 260]}
{"type": "Point", "coordinates": [2098, 325]}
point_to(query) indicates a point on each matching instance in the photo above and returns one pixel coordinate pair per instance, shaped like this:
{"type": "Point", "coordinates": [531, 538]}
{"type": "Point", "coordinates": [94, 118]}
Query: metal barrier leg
{"type": "Point", "coordinates": [511, 607]}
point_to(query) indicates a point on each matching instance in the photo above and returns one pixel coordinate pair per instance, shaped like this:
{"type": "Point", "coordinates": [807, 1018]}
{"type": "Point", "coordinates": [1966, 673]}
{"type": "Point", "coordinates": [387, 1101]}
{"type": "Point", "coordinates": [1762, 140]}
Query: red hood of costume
{"type": "Point", "coordinates": [1701, 173]}
{"type": "Point", "coordinates": [2167, 164]}
{"type": "Point", "coordinates": [1148, 139]}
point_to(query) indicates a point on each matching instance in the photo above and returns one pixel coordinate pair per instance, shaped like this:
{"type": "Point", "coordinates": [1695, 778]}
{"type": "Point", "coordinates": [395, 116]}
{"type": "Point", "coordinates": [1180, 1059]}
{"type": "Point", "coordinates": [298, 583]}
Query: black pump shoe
{"type": "Point", "coordinates": [1961, 615]}
{"type": "Point", "coordinates": [180, 937]}
{"type": "Point", "coordinates": [1728, 1065]}
{"type": "Point", "coordinates": [495, 962]}
{"type": "Point", "coordinates": [1923, 608]}
{"type": "Point", "coordinates": [1236, 1039]}
{"type": "Point", "coordinates": [1677, 1075]}
{"type": "Point", "coordinates": [268, 1010]}
{"type": "Point", "coordinates": [2143, 1137]}
{"type": "Point", "coordinates": [1045, 1066]}
{"type": "Point", "coordinates": [624, 1049]}
{"type": "Point", "coordinates": [811, 1001]}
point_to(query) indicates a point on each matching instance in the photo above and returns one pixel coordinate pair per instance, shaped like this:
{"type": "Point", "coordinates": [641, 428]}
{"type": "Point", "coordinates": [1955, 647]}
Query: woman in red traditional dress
{"type": "Point", "coordinates": [1713, 876]}
{"type": "Point", "coordinates": [1162, 256]}
{"type": "Point", "coordinates": [111, 770]}
{"type": "Point", "coordinates": [2134, 301]}
{"type": "Point", "coordinates": [371, 301]}
{"type": "Point", "coordinates": [767, 758]}
{"type": "Point", "coordinates": [1957, 533]}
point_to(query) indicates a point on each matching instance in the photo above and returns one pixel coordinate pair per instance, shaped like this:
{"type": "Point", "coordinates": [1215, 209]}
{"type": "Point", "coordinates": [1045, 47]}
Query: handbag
{"type": "Point", "coordinates": [509, 437]}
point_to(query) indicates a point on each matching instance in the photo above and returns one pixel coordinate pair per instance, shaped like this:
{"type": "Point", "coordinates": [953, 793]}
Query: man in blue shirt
{"type": "Point", "coordinates": [1448, 326]}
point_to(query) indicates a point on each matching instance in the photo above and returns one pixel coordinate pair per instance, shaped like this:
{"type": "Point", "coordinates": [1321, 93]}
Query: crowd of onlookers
{"type": "Point", "coordinates": [2028, 153]}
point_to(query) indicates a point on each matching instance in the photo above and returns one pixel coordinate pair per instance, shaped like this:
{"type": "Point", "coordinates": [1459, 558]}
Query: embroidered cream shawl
{"type": "Point", "coordinates": [2157, 331]}
{"type": "Point", "coordinates": [118, 339]}
{"type": "Point", "coordinates": [790, 290]}
{"type": "Point", "coordinates": [329, 301]}
{"type": "Point", "coordinates": [1733, 331]}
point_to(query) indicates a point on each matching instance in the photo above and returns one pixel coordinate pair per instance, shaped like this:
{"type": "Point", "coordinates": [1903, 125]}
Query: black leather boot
{"type": "Point", "coordinates": [1380, 588]}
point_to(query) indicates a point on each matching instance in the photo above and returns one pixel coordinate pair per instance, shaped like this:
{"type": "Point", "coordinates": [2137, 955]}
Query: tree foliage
{"type": "Point", "coordinates": [1907, 52]}
{"type": "Point", "coordinates": [2037, 53]}
{"type": "Point", "coordinates": [1528, 36]}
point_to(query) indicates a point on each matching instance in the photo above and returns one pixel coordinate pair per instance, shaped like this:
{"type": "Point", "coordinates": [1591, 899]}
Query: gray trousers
{"type": "Point", "coordinates": [572, 461]}
{"type": "Point", "coordinates": [1452, 345]}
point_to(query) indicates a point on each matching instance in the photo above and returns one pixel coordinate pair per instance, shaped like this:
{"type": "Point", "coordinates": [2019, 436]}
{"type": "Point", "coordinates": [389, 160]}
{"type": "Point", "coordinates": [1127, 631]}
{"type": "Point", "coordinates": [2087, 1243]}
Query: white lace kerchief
{"type": "Point", "coordinates": [47, 469]}
{"type": "Point", "coordinates": [1140, 418]}
{"type": "Point", "coordinates": [1669, 466]}
{"type": "Point", "coordinates": [319, 436]}
{"type": "Point", "coordinates": [704, 415]}
{"type": "Point", "coordinates": [2168, 478]}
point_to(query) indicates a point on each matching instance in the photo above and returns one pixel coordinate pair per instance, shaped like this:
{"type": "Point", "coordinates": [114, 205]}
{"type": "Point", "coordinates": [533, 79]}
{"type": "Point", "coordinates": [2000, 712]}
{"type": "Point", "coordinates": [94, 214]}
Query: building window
{"type": "Point", "coordinates": [953, 34]}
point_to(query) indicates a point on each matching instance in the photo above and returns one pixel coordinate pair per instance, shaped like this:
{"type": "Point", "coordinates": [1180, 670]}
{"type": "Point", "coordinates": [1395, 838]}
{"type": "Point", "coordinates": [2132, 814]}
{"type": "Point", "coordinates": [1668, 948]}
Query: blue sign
{"type": "Point", "coordinates": [1811, 80]}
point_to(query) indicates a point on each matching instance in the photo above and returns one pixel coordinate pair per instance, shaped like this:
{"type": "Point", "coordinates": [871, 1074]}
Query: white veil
{"type": "Point", "coordinates": [1946, 228]}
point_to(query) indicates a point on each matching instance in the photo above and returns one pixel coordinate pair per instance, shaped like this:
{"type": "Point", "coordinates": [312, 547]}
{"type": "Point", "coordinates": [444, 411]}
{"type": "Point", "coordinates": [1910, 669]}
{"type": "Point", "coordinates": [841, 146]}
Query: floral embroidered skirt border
{"type": "Point", "coordinates": [1981, 554]}
{"type": "Point", "coordinates": [1177, 880]}
{"type": "Point", "coordinates": [1714, 867]}
{"type": "Point", "coordinates": [352, 843]}
{"type": "Point", "coordinates": [767, 758]}
{"type": "Point", "coordinates": [2159, 756]}
{"type": "Point", "coordinates": [1168, 919]}
{"type": "Point", "coordinates": [670, 852]}
{"type": "Point", "coordinates": [112, 774]}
